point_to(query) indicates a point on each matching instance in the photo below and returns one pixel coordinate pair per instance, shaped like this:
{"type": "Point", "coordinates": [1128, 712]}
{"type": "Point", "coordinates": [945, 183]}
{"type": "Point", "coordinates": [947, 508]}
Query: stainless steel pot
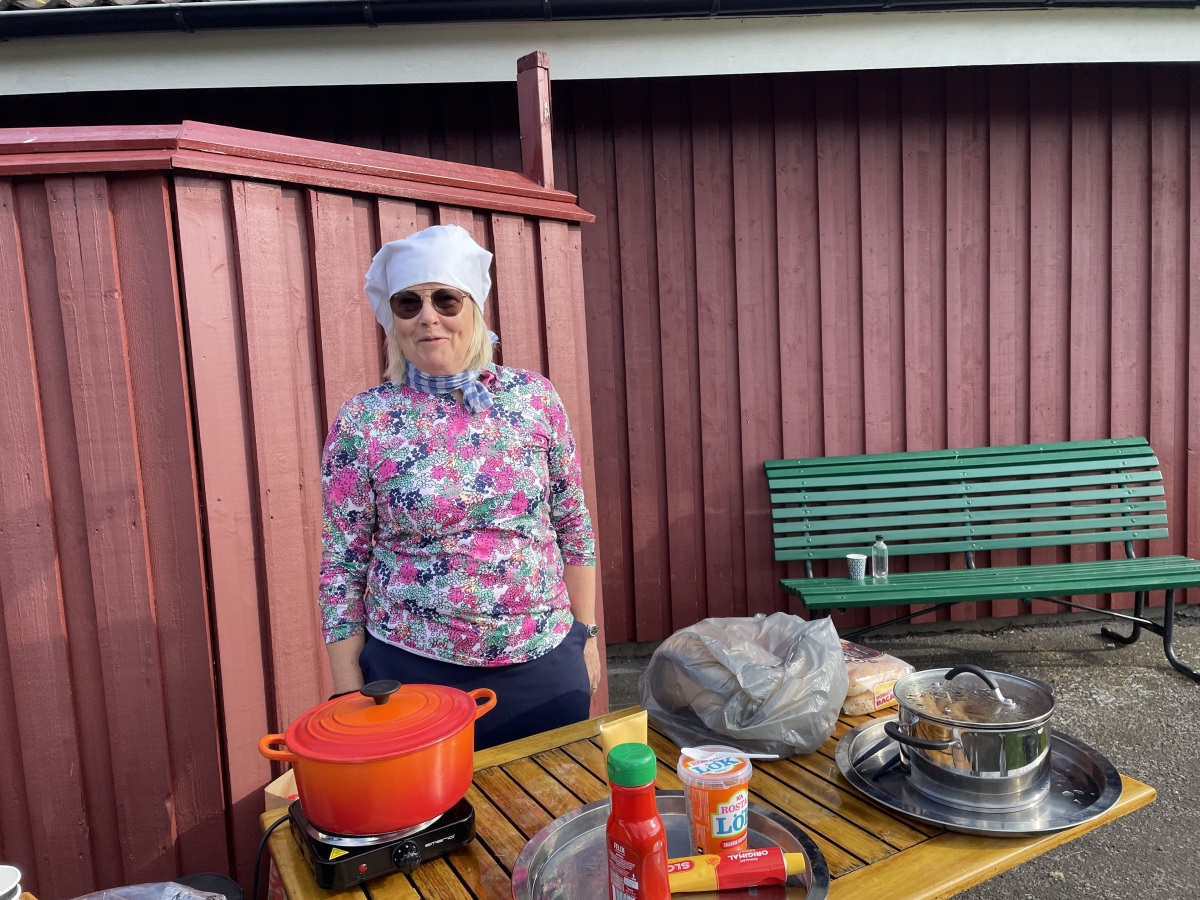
{"type": "Point", "coordinates": [975, 739]}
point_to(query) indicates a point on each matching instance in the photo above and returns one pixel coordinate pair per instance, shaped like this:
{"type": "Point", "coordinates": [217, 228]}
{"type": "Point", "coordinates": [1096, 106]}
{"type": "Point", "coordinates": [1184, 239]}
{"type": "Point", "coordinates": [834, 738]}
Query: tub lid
{"type": "Point", "coordinates": [382, 720]}
{"type": "Point", "coordinates": [963, 697]}
{"type": "Point", "coordinates": [720, 766]}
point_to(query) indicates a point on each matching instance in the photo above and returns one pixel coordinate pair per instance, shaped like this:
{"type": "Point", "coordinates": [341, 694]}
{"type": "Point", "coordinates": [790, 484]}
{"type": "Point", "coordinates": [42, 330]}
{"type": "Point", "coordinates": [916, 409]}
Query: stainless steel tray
{"type": "Point", "coordinates": [566, 860]}
{"type": "Point", "coordinates": [1083, 784]}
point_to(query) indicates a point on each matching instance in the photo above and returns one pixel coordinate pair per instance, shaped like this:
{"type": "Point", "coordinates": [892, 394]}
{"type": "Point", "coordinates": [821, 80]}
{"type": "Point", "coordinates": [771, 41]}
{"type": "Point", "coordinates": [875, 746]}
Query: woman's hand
{"type": "Point", "coordinates": [343, 663]}
{"type": "Point", "coordinates": [591, 658]}
{"type": "Point", "coordinates": [581, 589]}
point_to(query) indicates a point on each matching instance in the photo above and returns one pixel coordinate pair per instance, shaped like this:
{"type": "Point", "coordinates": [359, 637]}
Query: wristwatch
{"type": "Point", "coordinates": [592, 630]}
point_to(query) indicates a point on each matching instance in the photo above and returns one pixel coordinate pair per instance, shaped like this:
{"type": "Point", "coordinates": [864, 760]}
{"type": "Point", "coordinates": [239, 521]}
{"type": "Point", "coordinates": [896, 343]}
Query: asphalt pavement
{"type": "Point", "coordinates": [1125, 701]}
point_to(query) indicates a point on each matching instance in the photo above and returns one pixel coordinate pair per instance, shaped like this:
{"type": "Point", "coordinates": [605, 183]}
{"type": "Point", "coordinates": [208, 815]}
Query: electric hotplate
{"type": "Point", "coordinates": [341, 860]}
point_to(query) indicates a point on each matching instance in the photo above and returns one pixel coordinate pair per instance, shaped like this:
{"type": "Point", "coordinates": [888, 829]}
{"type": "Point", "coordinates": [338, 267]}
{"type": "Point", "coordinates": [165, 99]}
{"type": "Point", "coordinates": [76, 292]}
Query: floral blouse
{"type": "Point", "coordinates": [445, 531]}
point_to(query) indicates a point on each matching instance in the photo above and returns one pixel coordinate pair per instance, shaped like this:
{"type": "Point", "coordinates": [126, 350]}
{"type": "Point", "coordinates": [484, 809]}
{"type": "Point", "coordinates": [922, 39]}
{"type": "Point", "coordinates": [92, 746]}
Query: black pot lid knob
{"type": "Point", "coordinates": [380, 691]}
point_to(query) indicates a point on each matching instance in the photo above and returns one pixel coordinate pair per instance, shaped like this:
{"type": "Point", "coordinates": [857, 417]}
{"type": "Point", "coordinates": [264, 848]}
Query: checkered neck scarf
{"type": "Point", "coordinates": [475, 396]}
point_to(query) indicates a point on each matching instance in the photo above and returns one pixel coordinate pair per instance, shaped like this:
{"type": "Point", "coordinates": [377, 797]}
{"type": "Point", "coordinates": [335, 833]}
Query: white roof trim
{"type": "Point", "coordinates": [399, 54]}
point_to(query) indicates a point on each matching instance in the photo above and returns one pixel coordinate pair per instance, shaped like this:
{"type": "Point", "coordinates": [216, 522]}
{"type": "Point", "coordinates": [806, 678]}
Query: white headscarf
{"type": "Point", "coordinates": [441, 254]}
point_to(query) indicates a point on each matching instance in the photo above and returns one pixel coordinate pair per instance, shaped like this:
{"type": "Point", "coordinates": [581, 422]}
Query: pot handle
{"type": "Point", "coordinates": [483, 694]}
{"type": "Point", "coordinates": [977, 672]}
{"type": "Point", "coordinates": [264, 747]}
{"type": "Point", "coordinates": [892, 730]}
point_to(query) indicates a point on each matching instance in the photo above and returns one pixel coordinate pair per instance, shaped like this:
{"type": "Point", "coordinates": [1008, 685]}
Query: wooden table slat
{"type": "Point", "coordinates": [522, 810]}
{"type": "Point", "coordinates": [846, 803]}
{"type": "Point", "coordinates": [541, 786]}
{"type": "Point", "coordinates": [493, 828]}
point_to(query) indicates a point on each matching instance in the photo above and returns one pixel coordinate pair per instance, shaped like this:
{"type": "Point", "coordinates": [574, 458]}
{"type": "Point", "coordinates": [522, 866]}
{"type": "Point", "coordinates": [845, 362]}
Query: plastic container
{"type": "Point", "coordinates": [716, 791]}
{"type": "Point", "coordinates": [637, 840]}
{"type": "Point", "coordinates": [879, 560]}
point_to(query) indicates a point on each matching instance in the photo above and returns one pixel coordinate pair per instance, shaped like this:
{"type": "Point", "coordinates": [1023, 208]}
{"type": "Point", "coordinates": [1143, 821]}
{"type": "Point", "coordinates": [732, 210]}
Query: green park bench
{"type": "Point", "coordinates": [982, 499]}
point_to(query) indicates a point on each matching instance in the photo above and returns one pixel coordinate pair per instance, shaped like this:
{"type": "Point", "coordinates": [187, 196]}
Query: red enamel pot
{"type": "Point", "coordinates": [386, 758]}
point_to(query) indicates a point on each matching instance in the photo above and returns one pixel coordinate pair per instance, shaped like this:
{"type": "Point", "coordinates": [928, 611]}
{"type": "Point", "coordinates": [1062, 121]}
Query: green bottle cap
{"type": "Point", "coordinates": [631, 765]}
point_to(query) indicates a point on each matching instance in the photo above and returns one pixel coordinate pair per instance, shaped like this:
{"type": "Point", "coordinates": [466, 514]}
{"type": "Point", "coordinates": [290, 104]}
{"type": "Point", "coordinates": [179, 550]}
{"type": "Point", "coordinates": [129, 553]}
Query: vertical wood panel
{"type": "Point", "coordinates": [799, 265]}
{"type": "Point", "coordinates": [1008, 277]}
{"type": "Point", "coordinates": [1192, 521]}
{"type": "Point", "coordinates": [923, 148]}
{"type": "Point", "coordinates": [1049, 270]}
{"type": "Point", "coordinates": [923, 160]}
{"type": "Point", "coordinates": [208, 278]}
{"type": "Point", "coordinates": [1091, 248]}
{"type": "Point", "coordinates": [841, 276]}
{"type": "Point", "coordinates": [343, 242]}
{"type": "Point", "coordinates": [114, 510]}
{"type": "Point", "coordinates": [605, 329]}
{"type": "Point", "coordinates": [643, 368]}
{"type": "Point", "coordinates": [70, 529]}
{"type": "Point", "coordinates": [584, 430]}
{"type": "Point", "coordinates": [755, 262]}
{"type": "Point", "coordinates": [675, 248]}
{"type": "Point", "coordinates": [841, 255]}
{"type": "Point", "coordinates": [41, 808]}
{"type": "Point", "coordinates": [716, 335]}
{"type": "Point", "coordinates": [518, 303]}
{"type": "Point", "coordinates": [1169, 295]}
{"type": "Point", "coordinates": [882, 274]}
{"type": "Point", "coordinates": [882, 219]}
{"type": "Point", "coordinates": [966, 272]}
{"type": "Point", "coordinates": [1130, 410]}
{"type": "Point", "coordinates": [276, 342]}
{"type": "Point", "coordinates": [144, 243]}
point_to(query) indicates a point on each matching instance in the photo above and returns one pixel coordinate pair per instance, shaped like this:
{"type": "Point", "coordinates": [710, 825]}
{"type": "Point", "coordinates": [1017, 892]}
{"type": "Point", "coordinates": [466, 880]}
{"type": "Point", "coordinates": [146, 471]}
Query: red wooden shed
{"type": "Point", "coordinates": [182, 315]}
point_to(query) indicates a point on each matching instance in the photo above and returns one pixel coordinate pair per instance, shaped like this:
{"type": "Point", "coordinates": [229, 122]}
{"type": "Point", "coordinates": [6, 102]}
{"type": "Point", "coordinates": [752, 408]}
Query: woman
{"type": "Point", "coordinates": [457, 546]}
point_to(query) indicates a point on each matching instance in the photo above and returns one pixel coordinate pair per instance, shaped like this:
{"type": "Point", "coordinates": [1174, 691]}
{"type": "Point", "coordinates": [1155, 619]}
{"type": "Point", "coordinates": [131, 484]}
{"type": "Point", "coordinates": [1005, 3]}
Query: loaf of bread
{"type": "Point", "coordinates": [872, 674]}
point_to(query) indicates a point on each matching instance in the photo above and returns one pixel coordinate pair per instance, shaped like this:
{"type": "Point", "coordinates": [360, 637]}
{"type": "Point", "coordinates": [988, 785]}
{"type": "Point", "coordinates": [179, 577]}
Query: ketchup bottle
{"type": "Point", "coordinates": [637, 840]}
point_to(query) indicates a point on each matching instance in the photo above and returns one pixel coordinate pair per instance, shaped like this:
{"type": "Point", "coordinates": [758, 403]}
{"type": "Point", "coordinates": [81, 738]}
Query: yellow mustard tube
{"type": "Point", "coordinates": [740, 869]}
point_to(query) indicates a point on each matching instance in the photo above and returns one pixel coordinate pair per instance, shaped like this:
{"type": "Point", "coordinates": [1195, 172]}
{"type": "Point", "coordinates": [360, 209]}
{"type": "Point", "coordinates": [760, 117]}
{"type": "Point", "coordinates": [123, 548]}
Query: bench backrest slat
{"type": "Point", "coordinates": [1116, 445]}
{"type": "Point", "coordinates": [947, 501]}
{"type": "Point", "coordinates": [873, 523]}
{"type": "Point", "coordinates": [1121, 494]}
{"type": "Point", "coordinates": [958, 473]}
{"type": "Point", "coordinates": [966, 490]}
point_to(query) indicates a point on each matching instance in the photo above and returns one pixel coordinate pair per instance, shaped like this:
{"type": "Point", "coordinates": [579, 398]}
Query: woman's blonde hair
{"type": "Point", "coordinates": [479, 355]}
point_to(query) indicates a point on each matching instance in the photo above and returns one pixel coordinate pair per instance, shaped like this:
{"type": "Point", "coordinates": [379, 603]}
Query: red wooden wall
{"type": "Point", "coordinates": [837, 263]}
{"type": "Point", "coordinates": [111, 753]}
{"type": "Point", "coordinates": [843, 263]}
{"type": "Point", "coordinates": [174, 344]}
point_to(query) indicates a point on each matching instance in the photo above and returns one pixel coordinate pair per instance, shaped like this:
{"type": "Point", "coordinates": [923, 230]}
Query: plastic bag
{"type": "Point", "coordinates": [159, 890]}
{"type": "Point", "coordinates": [768, 684]}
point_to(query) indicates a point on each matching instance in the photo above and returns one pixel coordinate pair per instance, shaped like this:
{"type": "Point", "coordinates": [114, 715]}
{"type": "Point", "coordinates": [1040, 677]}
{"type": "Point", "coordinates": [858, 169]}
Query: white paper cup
{"type": "Point", "coordinates": [857, 563]}
{"type": "Point", "coordinates": [10, 882]}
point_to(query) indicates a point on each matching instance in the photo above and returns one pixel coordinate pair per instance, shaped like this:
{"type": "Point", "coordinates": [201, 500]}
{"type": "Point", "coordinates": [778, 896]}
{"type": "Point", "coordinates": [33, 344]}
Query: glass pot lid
{"type": "Point", "coordinates": [382, 720]}
{"type": "Point", "coordinates": [971, 697]}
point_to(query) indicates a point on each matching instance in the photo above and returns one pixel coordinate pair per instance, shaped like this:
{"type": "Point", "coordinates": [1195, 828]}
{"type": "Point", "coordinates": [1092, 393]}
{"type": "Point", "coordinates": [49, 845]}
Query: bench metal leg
{"type": "Point", "coordinates": [858, 632]}
{"type": "Point", "coordinates": [1139, 603]}
{"type": "Point", "coordinates": [1166, 630]}
{"type": "Point", "coordinates": [1168, 636]}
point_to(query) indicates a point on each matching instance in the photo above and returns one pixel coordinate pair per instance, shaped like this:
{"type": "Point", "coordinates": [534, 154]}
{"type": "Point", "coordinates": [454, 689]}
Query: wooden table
{"type": "Point", "coordinates": [522, 786]}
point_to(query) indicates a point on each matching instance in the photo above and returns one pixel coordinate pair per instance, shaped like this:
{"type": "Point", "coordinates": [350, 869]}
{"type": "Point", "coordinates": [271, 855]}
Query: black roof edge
{"type": "Point", "coordinates": [219, 14]}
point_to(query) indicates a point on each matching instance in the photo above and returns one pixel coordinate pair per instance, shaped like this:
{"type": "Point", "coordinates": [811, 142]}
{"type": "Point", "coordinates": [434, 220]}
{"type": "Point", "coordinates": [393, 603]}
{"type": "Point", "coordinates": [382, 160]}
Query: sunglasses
{"type": "Point", "coordinates": [408, 304]}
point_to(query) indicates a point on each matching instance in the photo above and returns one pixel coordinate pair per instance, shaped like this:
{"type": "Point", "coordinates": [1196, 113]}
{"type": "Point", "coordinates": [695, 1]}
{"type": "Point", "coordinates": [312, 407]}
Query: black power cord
{"type": "Point", "coordinates": [262, 845]}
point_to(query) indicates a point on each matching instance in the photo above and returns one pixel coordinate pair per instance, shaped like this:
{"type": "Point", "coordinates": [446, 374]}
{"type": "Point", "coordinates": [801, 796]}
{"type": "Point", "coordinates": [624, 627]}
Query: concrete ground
{"type": "Point", "coordinates": [1127, 702]}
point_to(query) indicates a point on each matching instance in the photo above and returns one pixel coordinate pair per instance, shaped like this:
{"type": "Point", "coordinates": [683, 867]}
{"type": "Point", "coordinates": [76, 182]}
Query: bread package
{"type": "Point", "coordinates": [873, 674]}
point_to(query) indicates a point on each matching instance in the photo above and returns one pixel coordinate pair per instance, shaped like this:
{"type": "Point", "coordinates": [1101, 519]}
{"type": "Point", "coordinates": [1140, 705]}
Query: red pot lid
{"type": "Point", "coordinates": [383, 720]}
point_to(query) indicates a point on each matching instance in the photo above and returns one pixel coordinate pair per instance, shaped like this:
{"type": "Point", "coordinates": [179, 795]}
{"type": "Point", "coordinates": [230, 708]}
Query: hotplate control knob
{"type": "Point", "coordinates": [406, 857]}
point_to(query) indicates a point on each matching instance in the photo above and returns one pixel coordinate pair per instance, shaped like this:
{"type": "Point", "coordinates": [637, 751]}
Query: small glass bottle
{"type": "Point", "coordinates": [879, 562]}
{"type": "Point", "coordinates": [636, 838]}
